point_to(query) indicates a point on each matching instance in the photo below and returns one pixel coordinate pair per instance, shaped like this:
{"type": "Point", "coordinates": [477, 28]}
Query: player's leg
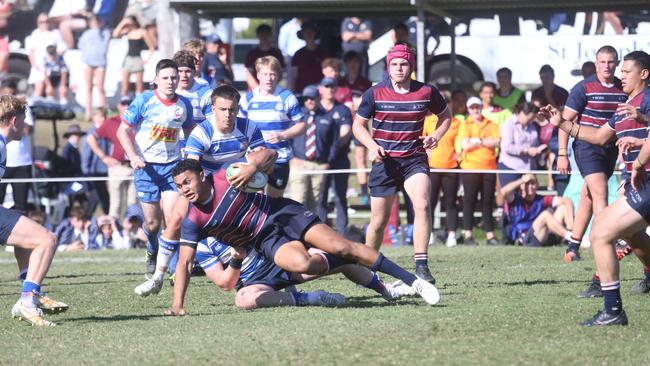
{"type": "Point", "coordinates": [379, 214]}
{"type": "Point", "coordinates": [418, 187]}
{"type": "Point", "coordinates": [22, 259]}
{"type": "Point", "coordinates": [294, 257]}
{"type": "Point", "coordinates": [604, 232]}
{"type": "Point", "coordinates": [261, 296]}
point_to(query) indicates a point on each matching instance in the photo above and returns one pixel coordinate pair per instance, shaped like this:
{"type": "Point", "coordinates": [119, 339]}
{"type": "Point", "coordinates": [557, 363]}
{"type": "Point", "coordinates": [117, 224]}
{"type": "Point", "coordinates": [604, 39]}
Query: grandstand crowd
{"type": "Point", "coordinates": [307, 110]}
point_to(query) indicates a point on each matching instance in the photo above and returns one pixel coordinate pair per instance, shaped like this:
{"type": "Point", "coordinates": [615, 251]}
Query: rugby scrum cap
{"type": "Point", "coordinates": [401, 51]}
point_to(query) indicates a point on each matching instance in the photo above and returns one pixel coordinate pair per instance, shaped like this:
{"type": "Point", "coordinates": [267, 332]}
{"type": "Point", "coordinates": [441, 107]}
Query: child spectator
{"type": "Point", "coordinates": [56, 75]}
{"type": "Point", "coordinates": [132, 233]}
{"type": "Point", "coordinates": [109, 236]}
{"type": "Point", "coordinates": [72, 233]}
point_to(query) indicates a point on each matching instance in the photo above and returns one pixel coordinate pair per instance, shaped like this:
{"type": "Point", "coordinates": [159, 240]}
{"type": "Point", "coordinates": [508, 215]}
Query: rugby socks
{"type": "Point", "coordinates": [334, 261]}
{"type": "Point", "coordinates": [22, 276]}
{"type": "Point", "coordinates": [385, 265]}
{"type": "Point", "coordinates": [166, 250]}
{"type": "Point", "coordinates": [29, 289]}
{"type": "Point", "coordinates": [300, 298]}
{"type": "Point", "coordinates": [646, 273]}
{"type": "Point", "coordinates": [421, 259]}
{"type": "Point", "coordinates": [376, 284]}
{"type": "Point", "coordinates": [612, 296]}
{"type": "Point", "coordinates": [364, 189]}
{"type": "Point", "coordinates": [152, 240]}
{"type": "Point", "coordinates": [573, 244]}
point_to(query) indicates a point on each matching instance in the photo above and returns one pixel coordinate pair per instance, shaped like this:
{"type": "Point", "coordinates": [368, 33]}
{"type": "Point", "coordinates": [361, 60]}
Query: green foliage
{"type": "Point", "coordinates": [500, 306]}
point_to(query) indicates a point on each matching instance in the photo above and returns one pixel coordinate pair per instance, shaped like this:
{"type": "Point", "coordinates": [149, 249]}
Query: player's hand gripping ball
{"type": "Point", "coordinates": [255, 183]}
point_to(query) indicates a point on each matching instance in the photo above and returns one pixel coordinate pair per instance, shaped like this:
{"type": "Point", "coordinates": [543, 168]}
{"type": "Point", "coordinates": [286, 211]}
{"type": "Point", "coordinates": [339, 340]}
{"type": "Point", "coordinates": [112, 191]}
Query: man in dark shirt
{"type": "Point", "coordinates": [549, 93]}
{"type": "Point", "coordinates": [215, 65]}
{"type": "Point", "coordinates": [265, 48]}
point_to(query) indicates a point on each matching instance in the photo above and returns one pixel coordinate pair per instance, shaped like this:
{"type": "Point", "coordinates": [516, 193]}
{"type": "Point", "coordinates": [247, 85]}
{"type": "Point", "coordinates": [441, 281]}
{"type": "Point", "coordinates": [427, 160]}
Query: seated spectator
{"type": "Point", "coordinates": [108, 235]}
{"type": "Point", "coordinates": [56, 75]}
{"type": "Point", "coordinates": [132, 233]}
{"type": "Point", "coordinates": [73, 233]}
{"type": "Point", "coordinates": [549, 93]}
{"type": "Point", "coordinates": [519, 143]}
{"type": "Point", "coordinates": [532, 218]}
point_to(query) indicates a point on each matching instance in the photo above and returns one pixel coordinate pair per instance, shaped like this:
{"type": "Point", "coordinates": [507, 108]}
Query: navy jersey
{"type": "Point", "coordinates": [631, 127]}
{"type": "Point", "coordinates": [398, 119]}
{"type": "Point", "coordinates": [595, 102]}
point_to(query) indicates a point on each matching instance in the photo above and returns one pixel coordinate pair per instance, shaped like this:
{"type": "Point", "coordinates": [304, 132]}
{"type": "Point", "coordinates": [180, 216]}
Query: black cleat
{"type": "Point", "coordinates": [422, 271]}
{"type": "Point", "coordinates": [492, 242]}
{"type": "Point", "coordinates": [469, 241]}
{"type": "Point", "coordinates": [150, 258]}
{"type": "Point", "coordinates": [593, 290]}
{"type": "Point", "coordinates": [603, 318]}
{"type": "Point", "coordinates": [640, 288]}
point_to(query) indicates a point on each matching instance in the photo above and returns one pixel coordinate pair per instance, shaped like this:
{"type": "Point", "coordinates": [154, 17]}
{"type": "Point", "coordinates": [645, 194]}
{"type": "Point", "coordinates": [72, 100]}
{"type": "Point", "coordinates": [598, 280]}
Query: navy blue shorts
{"type": "Point", "coordinates": [639, 200]}
{"type": "Point", "coordinates": [288, 221]}
{"type": "Point", "coordinates": [595, 159]}
{"type": "Point", "coordinates": [280, 176]}
{"type": "Point", "coordinates": [271, 275]}
{"type": "Point", "coordinates": [387, 176]}
{"type": "Point", "coordinates": [8, 220]}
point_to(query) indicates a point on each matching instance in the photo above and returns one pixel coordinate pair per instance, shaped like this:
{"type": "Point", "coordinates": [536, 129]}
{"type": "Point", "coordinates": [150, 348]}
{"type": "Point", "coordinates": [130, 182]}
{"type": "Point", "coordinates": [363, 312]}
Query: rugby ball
{"type": "Point", "coordinates": [256, 183]}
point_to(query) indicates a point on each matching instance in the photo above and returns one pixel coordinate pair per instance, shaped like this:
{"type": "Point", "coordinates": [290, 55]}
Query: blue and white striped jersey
{"type": "Point", "coordinates": [211, 251]}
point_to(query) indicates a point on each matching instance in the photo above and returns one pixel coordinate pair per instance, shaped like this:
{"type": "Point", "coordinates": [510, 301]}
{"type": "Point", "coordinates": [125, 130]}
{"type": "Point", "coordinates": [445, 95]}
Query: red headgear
{"type": "Point", "coordinates": [401, 51]}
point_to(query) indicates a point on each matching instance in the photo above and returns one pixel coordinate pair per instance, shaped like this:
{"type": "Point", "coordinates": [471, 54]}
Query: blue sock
{"type": "Point", "coordinates": [421, 259]}
{"type": "Point", "coordinates": [152, 241]}
{"type": "Point", "coordinates": [23, 275]}
{"type": "Point", "coordinates": [376, 284]}
{"type": "Point", "coordinates": [612, 297]}
{"type": "Point", "coordinates": [335, 261]}
{"type": "Point", "coordinates": [29, 288]}
{"type": "Point", "coordinates": [385, 265]}
{"type": "Point", "coordinates": [574, 244]}
{"type": "Point", "coordinates": [300, 298]}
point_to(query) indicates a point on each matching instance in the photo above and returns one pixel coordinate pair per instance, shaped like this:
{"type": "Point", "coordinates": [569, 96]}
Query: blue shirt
{"type": "Point", "coordinates": [157, 123]}
{"type": "Point", "coordinates": [93, 45]}
{"type": "Point", "coordinates": [90, 162]}
{"type": "Point", "coordinates": [210, 251]}
{"type": "Point", "coordinates": [273, 113]}
{"type": "Point", "coordinates": [327, 133]}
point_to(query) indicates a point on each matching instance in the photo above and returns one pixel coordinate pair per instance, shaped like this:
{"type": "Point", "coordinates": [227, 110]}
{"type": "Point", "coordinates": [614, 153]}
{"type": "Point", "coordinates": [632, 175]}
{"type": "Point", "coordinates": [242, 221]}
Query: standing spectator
{"type": "Point", "coordinates": [196, 48]}
{"type": "Point", "coordinates": [588, 69]}
{"type": "Point", "coordinates": [549, 93]}
{"type": "Point", "coordinates": [276, 112]}
{"type": "Point", "coordinates": [139, 40]}
{"type": "Point", "coordinates": [444, 156]}
{"type": "Point", "coordinates": [37, 44]}
{"type": "Point", "coordinates": [265, 48]}
{"type": "Point", "coordinates": [93, 166]}
{"type": "Point", "coordinates": [398, 107]}
{"type": "Point", "coordinates": [479, 138]}
{"type": "Point", "coordinates": [314, 150]}
{"type": "Point", "coordinates": [339, 117]}
{"type": "Point", "coordinates": [331, 68]}
{"type": "Point", "coordinates": [56, 75]}
{"type": "Point", "coordinates": [356, 34]}
{"type": "Point", "coordinates": [71, 158]}
{"type": "Point", "coordinates": [289, 42]}
{"type": "Point", "coordinates": [19, 156]}
{"type": "Point", "coordinates": [459, 104]}
{"type": "Point", "coordinates": [519, 143]}
{"type": "Point", "coordinates": [306, 62]}
{"type": "Point", "coordinates": [94, 45]}
{"type": "Point", "coordinates": [121, 193]}
{"type": "Point", "coordinates": [358, 85]}
{"type": "Point", "coordinates": [493, 112]}
{"type": "Point", "coordinates": [216, 66]}
{"type": "Point", "coordinates": [4, 54]}
{"type": "Point", "coordinates": [507, 95]}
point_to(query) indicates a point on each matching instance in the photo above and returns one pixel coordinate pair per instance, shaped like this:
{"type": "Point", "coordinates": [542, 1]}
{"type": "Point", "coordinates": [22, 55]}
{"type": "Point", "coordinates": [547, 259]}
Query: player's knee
{"type": "Point", "coordinates": [245, 300]}
{"type": "Point", "coordinates": [343, 248]}
{"type": "Point", "coordinates": [48, 239]}
{"type": "Point", "coordinates": [421, 205]}
{"type": "Point", "coordinates": [151, 224]}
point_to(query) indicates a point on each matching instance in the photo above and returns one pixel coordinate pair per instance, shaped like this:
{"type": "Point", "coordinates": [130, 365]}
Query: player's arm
{"type": "Point", "coordinates": [123, 137]}
{"type": "Point", "coordinates": [508, 191]}
{"type": "Point", "coordinates": [298, 128]}
{"type": "Point", "coordinates": [592, 135]}
{"type": "Point", "coordinates": [227, 278]}
{"type": "Point", "coordinates": [182, 278]}
{"type": "Point", "coordinates": [259, 160]}
{"type": "Point", "coordinates": [444, 121]}
{"type": "Point", "coordinates": [94, 146]}
{"type": "Point", "coordinates": [366, 111]}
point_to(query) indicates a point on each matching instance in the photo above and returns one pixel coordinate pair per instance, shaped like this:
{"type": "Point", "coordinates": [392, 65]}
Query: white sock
{"type": "Point", "coordinates": [567, 236]}
{"type": "Point", "coordinates": [158, 275]}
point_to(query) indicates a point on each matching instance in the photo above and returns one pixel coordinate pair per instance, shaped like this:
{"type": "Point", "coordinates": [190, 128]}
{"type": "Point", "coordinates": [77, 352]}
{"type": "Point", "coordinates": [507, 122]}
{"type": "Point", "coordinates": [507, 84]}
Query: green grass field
{"type": "Point", "coordinates": [500, 306]}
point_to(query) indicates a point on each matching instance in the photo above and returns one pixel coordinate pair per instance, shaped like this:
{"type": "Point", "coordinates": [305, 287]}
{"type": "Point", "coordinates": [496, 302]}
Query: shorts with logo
{"type": "Point", "coordinates": [638, 200]}
{"type": "Point", "coordinates": [271, 275]}
{"type": "Point", "coordinates": [387, 176]}
{"type": "Point", "coordinates": [280, 176]}
{"type": "Point", "coordinates": [287, 221]}
{"type": "Point", "coordinates": [8, 220]}
{"type": "Point", "coordinates": [595, 159]}
{"type": "Point", "coordinates": [153, 179]}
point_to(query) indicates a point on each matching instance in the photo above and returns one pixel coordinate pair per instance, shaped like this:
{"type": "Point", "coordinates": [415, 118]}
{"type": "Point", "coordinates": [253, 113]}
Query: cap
{"type": "Point", "coordinates": [328, 82]}
{"type": "Point", "coordinates": [474, 100]}
{"type": "Point", "coordinates": [213, 38]}
{"type": "Point", "coordinates": [126, 99]}
{"type": "Point", "coordinates": [310, 91]}
{"type": "Point", "coordinates": [73, 130]}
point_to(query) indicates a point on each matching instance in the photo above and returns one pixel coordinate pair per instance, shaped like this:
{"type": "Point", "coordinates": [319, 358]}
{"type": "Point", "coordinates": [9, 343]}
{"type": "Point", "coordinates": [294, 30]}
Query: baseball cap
{"type": "Point", "coordinates": [474, 100]}
{"type": "Point", "coordinates": [328, 82]}
{"type": "Point", "coordinates": [310, 91]}
{"type": "Point", "coordinates": [213, 38]}
{"type": "Point", "coordinates": [125, 99]}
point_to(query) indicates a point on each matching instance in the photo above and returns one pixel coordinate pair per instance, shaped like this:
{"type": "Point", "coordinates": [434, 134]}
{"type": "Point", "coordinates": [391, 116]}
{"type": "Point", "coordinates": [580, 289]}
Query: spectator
{"type": "Point", "coordinates": [356, 34]}
{"type": "Point", "coordinates": [314, 150]}
{"type": "Point", "coordinates": [519, 143]}
{"type": "Point", "coordinates": [588, 69]}
{"type": "Point", "coordinates": [532, 218]}
{"type": "Point", "coordinates": [196, 48]}
{"type": "Point", "coordinates": [139, 40]}
{"type": "Point", "coordinates": [37, 44]}
{"type": "Point", "coordinates": [478, 138]}
{"type": "Point", "coordinates": [289, 42]}
{"type": "Point", "coordinates": [507, 95]}
{"type": "Point", "coordinates": [72, 164]}
{"type": "Point", "coordinates": [265, 48]}
{"type": "Point", "coordinates": [120, 192]}
{"type": "Point", "coordinates": [73, 233]}
{"type": "Point", "coordinates": [216, 65]}
{"type": "Point", "coordinates": [549, 93]}
{"type": "Point", "coordinates": [4, 53]}
{"type": "Point", "coordinates": [358, 85]}
{"type": "Point", "coordinates": [306, 62]}
{"type": "Point", "coordinates": [493, 112]}
{"type": "Point", "coordinates": [93, 166]}
{"type": "Point", "coordinates": [339, 118]}
{"type": "Point", "coordinates": [56, 75]}
{"type": "Point", "coordinates": [459, 104]}
{"type": "Point", "coordinates": [331, 68]}
{"type": "Point", "coordinates": [69, 16]}
{"type": "Point", "coordinates": [132, 233]}
{"type": "Point", "coordinates": [109, 235]}
{"type": "Point", "coordinates": [19, 156]}
{"type": "Point", "coordinates": [444, 156]}
{"type": "Point", "coordinates": [94, 45]}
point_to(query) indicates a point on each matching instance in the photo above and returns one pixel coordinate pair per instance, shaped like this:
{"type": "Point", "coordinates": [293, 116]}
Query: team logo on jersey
{"type": "Point", "coordinates": [178, 113]}
{"type": "Point", "coordinates": [336, 115]}
{"type": "Point", "coordinates": [163, 134]}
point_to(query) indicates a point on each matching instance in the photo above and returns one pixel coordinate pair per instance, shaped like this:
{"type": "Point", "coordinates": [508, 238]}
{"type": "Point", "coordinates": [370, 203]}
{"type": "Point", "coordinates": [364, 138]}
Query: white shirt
{"type": "Point", "coordinates": [288, 41]}
{"type": "Point", "coordinates": [19, 152]}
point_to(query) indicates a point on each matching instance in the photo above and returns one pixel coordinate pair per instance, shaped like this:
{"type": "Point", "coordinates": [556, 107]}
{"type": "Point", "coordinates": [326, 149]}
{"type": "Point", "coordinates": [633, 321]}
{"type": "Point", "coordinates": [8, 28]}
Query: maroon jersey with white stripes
{"type": "Point", "coordinates": [398, 119]}
{"type": "Point", "coordinates": [594, 101]}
